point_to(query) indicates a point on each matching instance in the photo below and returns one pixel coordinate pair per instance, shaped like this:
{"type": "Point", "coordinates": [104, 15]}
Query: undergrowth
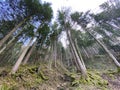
{"type": "Point", "coordinates": [93, 78]}
{"type": "Point", "coordinates": [33, 77]}
{"type": "Point", "coordinates": [27, 77]}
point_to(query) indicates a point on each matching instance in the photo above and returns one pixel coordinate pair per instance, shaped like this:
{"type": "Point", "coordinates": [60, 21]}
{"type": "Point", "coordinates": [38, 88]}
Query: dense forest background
{"type": "Point", "coordinates": [30, 45]}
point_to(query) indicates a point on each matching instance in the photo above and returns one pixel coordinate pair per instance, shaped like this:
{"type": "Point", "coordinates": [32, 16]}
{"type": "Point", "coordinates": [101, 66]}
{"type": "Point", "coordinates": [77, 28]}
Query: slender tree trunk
{"type": "Point", "coordinates": [105, 48]}
{"type": "Point", "coordinates": [8, 44]}
{"type": "Point", "coordinates": [7, 52]}
{"type": "Point", "coordinates": [75, 60]}
{"type": "Point", "coordinates": [11, 32]}
{"type": "Point", "coordinates": [28, 55]}
{"type": "Point", "coordinates": [17, 64]}
{"type": "Point", "coordinates": [66, 58]}
{"type": "Point", "coordinates": [83, 70]}
{"type": "Point", "coordinates": [47, 54]}
{"type": "Point", "coordinates": [61, 57]}
{"type": "Point", "coordinates": [51, 57]}
{"type": "Point", "coordinates": [78, 49]}
{"type": "Point", "coordinates": [36, 57]}
{"type": "Point", "coordinates": [85, 52]}
{"type": "Point", "coordinates": [70, 55]}
{"type": "Point", "coordinates": [55, 53]}
{"type": "Point", "coordinates": [5, 46]}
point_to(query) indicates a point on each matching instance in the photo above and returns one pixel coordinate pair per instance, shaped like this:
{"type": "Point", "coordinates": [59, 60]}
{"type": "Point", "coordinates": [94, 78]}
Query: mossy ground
{"type": "Point", "coordinates": [26, 77]}
{"type": "Point", "coordinates": [41, 77]}
{"type": "Point", "coordinates": [93, 80]}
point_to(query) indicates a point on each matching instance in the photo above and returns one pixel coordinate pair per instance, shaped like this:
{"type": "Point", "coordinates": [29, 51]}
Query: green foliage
{"type": "Point", "coordinates": [61, 17]}
{"type": "Point", "coordinates": [33, 6]}
{"type": "Point", "coordinates": [75, 16]}
{"type": "Point", "coordinates": [83, 39]}
{"type": "Point", "coordinates": [41, 11]}
{"type": "Point", "coordinates": [101, 16]}
{"type": "Point", "coordinates": [110, 13]}
{"type": "Point", "coordinates": [5, 27]}
{"type": "Point", "coordinates": [47, 12]}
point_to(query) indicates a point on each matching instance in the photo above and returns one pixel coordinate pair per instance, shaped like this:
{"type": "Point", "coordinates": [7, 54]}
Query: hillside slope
{"type": "Point", "coordinates": [41, 77]}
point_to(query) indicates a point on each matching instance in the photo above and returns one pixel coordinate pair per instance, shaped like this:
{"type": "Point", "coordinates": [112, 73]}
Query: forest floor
{"type": "Point", "coordinates": [41, 77]}
{"type": "Point", "coordinates": [113, 80]}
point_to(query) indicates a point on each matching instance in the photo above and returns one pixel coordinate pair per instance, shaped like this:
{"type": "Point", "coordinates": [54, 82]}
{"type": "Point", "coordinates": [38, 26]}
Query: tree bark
{"type": "Point", "coordinates": [85, 52]}
{"type": "Point", "coordinates": [51, 57]}
{"type": "Point", "coordinates": [7, 51]}
{"type": "Point", "coordinates": [82, 69]}
{"type": "Point", "coordinates": [105, 48]}
{"type": "Point", "coordinates": [8, 44]}
{"type": "Point", "coordinates": [17, 64]}
{"type": "Point", "coordinates": [70, 56]}
{"type": "Point", "coordinates": [75, 61]}
{"type": "Point", "coordinates": [80, 54]}
{"type": "Point", "coordinates": [61, 57]}
{"type": "Point", "coordinates": [55, 53]}
{"type": "Point", "coordinates": [28, 55]}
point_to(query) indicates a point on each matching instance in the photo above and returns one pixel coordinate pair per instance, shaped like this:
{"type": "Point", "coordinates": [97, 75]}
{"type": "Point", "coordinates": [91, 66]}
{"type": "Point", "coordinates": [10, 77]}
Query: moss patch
{"type": "Point", "coordinates": [118, 70]}
{"type": "Point", "coordinates": [27, 77]}
{"type": "Point", "coordinates": [93, 78]}
{"type": "Point", "coordinates": [41, 77]}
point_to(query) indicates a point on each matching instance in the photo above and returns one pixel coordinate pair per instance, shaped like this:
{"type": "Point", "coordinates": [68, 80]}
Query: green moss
{"type": "Point", "coordinates": [38, 80]}
{"type": "Point", "coordinates": [75, 83]}
{"type": "Point", "coordinates": [93, 78]}
{"type": "Point", "coordinates": [5, 86]}
{"type": "Point", "coordinates": [27, 77]}
{"type": "Point", "coordinates": [30, 77]}
{"type": "Point", "coordinates": [43, 76]}
{"type": "Point", "coordinates": [118, 70]}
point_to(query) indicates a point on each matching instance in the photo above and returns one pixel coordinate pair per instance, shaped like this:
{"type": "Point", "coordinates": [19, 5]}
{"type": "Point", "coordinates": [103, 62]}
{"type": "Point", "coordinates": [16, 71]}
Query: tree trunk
{"type": "Point", "coordinates": [8, 44]}
{"type": "Point", "coordinates": [7, 51]}
{"type": "Point", "coordinates": [75, 61]}
{"type": "Point", "coordinates": [82, 69]}
{"type": "Point", "coordinates": [55, 53]}
{"type": "Point", "coordinates": [17, 64]}
{"type": "Point", "coordinates": [70, 56]}
{"type": "Point", "coordinates": [105, 48]}
{"type": "Point", "coordinates": [28, 55]}
{"type": "Point", "coordinates": [51, 57]}
{"type": "Point", "coordinates": [80, 54]}
{"type": "Point", "coordinates": [67, 58]}
{"type": "Point", "coordinates": [47, 56]}
{"type": "Point", "coordinates": [85, 52]}
{"type": "Point", "coordinates": [10, 33]}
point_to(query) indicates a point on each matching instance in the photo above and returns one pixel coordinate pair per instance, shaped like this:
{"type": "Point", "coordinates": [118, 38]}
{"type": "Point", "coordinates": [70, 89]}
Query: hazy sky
{"type": "Point", "coordinates": [76, 5]}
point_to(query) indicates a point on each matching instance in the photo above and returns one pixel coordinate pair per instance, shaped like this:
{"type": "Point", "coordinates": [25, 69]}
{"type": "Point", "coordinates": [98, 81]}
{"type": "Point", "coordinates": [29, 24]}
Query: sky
{"type": "Point", "coordinates": [76, 5]}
